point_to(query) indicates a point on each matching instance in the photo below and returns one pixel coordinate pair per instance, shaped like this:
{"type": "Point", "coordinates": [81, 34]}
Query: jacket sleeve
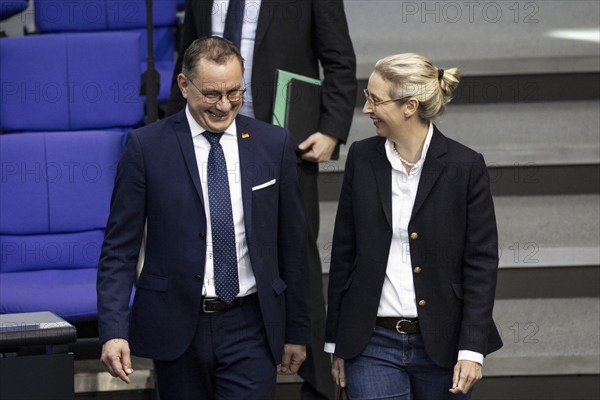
{"type": "Point", "coordinates": [343, 253]}
{"type": "Point", "coordinates": [122, 242]}
{"type": "Point", "coordinates": [338, 60]}
{"type": "Point", "coordinates": [292, 247]}
{"type": "Point", "coordinates": [480, 262]}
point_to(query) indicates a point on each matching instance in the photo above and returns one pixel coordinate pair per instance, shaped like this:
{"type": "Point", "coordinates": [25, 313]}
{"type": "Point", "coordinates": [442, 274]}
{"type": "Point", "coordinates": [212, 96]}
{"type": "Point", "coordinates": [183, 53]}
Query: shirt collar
{"type": "Point", "coordinates": [196, 129]}
{"type": "Point", "coordinates": [397, 164]}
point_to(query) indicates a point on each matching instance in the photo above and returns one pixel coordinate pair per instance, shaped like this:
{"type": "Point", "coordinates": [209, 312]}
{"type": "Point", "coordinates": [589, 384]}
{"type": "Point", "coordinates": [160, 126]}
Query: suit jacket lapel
{"type": "Point", "coordinates": [432, 169]}
{"type": "Point", "coordinates": [246, 149]}
{"type": "Point", "coordinates": [186, 144]}
{"type": "Point", "coordinates": [383, 178]}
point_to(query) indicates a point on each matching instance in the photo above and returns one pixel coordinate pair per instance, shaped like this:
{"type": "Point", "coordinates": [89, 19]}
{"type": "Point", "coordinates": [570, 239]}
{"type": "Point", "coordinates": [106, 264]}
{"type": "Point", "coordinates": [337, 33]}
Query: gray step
{"type": "Point", "coordinates": [509, 134]}
{"type": "Point", "coordinates": [508, 37]}
{"type": "Point", "coordinates": [546, 337]}
{"type": "Point", "coordinates": [534, 231]}
{"type": "Point", "coordinates": [564, 230]}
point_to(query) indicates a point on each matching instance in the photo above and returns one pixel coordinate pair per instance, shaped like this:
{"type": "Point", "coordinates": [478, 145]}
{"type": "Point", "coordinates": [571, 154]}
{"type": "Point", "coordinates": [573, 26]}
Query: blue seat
{"type": "Point", "coordinates": [8, 8]}
{"type": "Point", "coordinates": [100, 15]}
{"type": "Point", "coordinates": [70, 81]}
{"type": "Point", "coordinates": [117, 15]}
{"type": "Point", "coordinates": [67, 101]}
{"type": "Point", "coordinates": [54, 203]}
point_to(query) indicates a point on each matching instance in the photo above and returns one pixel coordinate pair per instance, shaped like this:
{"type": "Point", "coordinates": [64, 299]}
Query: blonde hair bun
{"type": "Point", "coordinates": [412, 75]}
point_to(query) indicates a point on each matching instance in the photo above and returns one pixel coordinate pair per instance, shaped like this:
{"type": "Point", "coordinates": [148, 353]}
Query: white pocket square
{"type": "Point", "coordinates": [264, 185]}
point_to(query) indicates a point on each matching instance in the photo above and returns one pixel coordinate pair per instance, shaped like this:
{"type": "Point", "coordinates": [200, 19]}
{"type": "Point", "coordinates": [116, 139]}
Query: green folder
{"type": "Point", "coordinates": [281, 102]}
{"type": "Point", "coordinates": [298, 107]}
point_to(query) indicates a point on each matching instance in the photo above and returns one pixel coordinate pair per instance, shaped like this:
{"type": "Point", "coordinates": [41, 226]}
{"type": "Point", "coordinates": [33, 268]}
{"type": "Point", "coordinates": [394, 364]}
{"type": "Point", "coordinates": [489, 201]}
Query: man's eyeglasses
{"type": "Point", "coordinates": [374, 103]}
{"type": "Point", "coordinates": [213, 97]}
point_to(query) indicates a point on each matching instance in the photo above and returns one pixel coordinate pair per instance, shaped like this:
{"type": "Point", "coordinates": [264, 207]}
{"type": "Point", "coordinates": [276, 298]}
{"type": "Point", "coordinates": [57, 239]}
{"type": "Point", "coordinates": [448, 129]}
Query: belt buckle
{"type": "Point", "coordinates": [399, 327]}
{"type": "Point", "coordinates": [204, 310]}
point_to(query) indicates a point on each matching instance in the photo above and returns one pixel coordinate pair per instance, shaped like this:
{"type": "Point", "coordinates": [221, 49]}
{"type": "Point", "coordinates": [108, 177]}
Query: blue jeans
{"type": "Point", "coordinates": [396, 367]}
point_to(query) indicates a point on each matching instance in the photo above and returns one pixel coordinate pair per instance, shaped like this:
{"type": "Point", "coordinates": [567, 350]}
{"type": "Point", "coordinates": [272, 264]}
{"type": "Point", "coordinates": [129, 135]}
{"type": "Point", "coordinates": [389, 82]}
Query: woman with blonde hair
{"type": "Point", "coordinates": [415, 247]}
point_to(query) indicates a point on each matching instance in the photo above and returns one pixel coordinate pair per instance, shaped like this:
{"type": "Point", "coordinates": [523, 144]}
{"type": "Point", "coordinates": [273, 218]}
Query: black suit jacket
{"type": "Point", "coordinates": [293, 35]}
{"type": "Point", "coordinates": [158, 181]}
{"type": "Point", "coordinates": [455, 244]}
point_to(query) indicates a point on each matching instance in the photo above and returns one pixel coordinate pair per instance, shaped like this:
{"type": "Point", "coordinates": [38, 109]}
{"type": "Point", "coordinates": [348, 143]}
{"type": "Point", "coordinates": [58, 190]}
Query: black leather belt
{"type": "Point", "coordinates": [399, 324]}
{"type": "Point", "coordinates": [212, 305]}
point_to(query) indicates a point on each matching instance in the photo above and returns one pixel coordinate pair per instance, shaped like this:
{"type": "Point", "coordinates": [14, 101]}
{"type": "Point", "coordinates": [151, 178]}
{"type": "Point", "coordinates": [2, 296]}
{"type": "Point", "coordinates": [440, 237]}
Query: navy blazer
{"type": "Point", "coordinates": [453, 239]}
{"type": "Point", "coordinates": [158, 181]}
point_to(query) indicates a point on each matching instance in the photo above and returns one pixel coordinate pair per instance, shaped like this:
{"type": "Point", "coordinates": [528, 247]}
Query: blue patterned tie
{"type": "Point", "coordinates": [221, 219]}
{"type": "Point", "coordinates": [234, 21]}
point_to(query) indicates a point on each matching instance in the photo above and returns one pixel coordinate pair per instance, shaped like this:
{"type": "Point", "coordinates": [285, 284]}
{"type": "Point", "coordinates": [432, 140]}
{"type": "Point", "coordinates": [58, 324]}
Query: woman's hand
{"type": "Point", "coordinates": [466, 373]}
{"type": "Point", "coordinates": [337, 371]}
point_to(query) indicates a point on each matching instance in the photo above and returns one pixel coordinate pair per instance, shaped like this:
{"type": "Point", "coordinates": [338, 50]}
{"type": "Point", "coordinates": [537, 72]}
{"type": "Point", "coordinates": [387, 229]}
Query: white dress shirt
{"type": "Point", "coordinates": [232, 158]}
{"type": "Point", "coordinates": [251, 13]}
{"type": "Point", "coordinates": [398, 297]}
{"type": "Point", "coordinates": [398, 293]}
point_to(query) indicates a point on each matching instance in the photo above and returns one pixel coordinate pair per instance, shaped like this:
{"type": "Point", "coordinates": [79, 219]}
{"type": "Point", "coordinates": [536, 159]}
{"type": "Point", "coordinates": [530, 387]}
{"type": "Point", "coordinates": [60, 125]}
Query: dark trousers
{"type": "Point", "coordinates": [316, 369]}
{"type": "Point", "coordinates": [229, 358]}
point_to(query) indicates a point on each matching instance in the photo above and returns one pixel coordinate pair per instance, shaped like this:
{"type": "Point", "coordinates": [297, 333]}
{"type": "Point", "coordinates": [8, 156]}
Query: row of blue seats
{"type": "Point", "coordinates": [68, 98]}
{"type": "Point", "coordinates": [67, 101]}
{"type": "Point", "coordinates": [73, 16]}
{"type": "Point", "coordinates": [101, 14]}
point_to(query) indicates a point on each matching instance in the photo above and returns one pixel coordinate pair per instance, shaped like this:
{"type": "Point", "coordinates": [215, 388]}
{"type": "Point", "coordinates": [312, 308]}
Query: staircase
{"type": "Point", "coordinates": [529, 101]}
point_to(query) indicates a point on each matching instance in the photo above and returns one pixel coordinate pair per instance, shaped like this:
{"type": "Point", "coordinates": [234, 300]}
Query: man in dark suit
{"type": "Point", "coordinates": [295, 36]}
{"type": "Point", "coordinates": [204, 344]}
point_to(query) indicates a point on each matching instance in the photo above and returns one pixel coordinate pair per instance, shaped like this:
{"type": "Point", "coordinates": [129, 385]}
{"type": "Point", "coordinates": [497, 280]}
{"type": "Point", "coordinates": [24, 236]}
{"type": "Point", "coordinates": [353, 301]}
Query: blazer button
{"type": "Point", "coordinates": [202, 236]}
{"type": "Point", "coordinates": [422, 303]}
{"type": "Point", "coordinates": [198, 277]}
{"type": "Point", "coordinates": [417, 270]}
{"type": "Point", "coordinates": [414, 235]}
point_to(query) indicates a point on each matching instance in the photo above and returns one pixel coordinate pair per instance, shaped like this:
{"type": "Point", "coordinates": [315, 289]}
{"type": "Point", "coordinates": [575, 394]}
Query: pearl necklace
{"type": "Point", "coordinates": [402, 159]}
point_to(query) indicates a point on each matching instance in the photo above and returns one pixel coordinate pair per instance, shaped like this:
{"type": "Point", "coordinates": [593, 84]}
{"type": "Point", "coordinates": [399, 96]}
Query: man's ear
{"type": "Point", "coordinates": [183, 85]}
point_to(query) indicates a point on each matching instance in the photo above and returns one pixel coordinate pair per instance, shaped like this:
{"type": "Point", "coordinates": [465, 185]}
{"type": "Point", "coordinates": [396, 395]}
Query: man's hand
{"type": "Point", "coordinates": [466, 373]}
{"type": "Point", "coordinates": [293, 356]}
{"type": "Point", "coordinates": [320, 147]}
{"type": "Point", "coordinates": [116, 357]}
{"type": "Point", "coordinates": [338, 372]}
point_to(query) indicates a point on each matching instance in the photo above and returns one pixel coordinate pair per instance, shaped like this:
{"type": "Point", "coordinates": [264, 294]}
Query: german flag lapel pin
{"type": "Point", "coordinates": [245, 135]}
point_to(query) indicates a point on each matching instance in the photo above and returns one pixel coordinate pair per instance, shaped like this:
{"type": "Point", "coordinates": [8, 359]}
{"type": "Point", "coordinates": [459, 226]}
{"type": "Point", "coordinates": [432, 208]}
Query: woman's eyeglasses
{"type": "Point", "coordinates": [374, 103]}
